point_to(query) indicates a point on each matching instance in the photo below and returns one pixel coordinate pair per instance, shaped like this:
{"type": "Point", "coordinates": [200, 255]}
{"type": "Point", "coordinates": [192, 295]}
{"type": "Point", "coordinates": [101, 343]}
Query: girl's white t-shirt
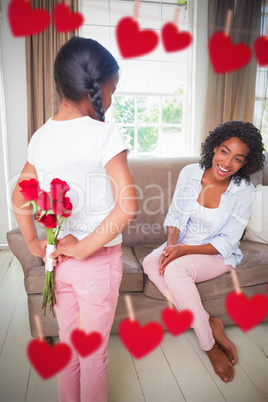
{"type": "Point", "coordinates": [77, 151]}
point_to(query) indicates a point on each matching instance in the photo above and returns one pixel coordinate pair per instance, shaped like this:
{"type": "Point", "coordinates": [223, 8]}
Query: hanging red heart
{"type": "Point", "coordinates": [86, 344]}
{"type": "Point", "coordinates": [65, 20]}
{"type": "Point", "coordinates": [173, 40]}
{"type": "Point", "coordinates": [132, 41]}
{"type": "Point", "coordinates": [24, 21]}
{"type": "Point", "coordinates": [140, 340]}
{"type": "Point", "coordinates": [246, 313]}
{"type": "Point", "coordinates": [225, 56]}
{"type": "Point", "coordinates": [261, 50]}
{"type": "Point", "coordinates": [177, 322]}
{"type": "Point", "coordinates": [48, 360]}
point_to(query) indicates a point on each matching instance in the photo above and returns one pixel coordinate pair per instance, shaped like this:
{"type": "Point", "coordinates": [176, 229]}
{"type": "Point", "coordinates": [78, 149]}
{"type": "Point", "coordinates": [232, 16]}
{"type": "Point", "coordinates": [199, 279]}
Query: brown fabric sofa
{"type": "Point", "coordinates": [155, 181]}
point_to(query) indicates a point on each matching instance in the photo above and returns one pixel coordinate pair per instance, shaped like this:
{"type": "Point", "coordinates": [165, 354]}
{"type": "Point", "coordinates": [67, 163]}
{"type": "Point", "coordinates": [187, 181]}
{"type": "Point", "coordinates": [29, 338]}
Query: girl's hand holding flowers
{"type": "Point", "coordinates": [38, 248]}
{"type": "Point", "coordinates": [49, 208]}
{"type": "Point", "coordinates": [65, 248]}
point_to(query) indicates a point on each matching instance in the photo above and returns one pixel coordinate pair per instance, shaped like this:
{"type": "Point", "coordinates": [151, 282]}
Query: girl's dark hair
{"type": "Point", "coordinates": [247, 133]}
{"type": "Point", "coordinates": [81, 66]}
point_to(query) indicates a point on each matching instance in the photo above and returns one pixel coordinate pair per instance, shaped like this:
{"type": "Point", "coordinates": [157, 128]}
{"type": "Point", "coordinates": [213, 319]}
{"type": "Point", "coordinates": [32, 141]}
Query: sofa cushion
{"type": "Point", "coordinates": [257, 227]}
{"type": "Point", "coordinates": [155, 180]}
{"type": "Point", "coordinates": [265, 171]}
{"type": "Point", "coordinates": [132, 279]}
{"type": "Point", "coordinates": [142, 250]}
{"type": "Point", "coordinates": [252, 271]}
{"type": "Point", "coordinates": [256, 178]}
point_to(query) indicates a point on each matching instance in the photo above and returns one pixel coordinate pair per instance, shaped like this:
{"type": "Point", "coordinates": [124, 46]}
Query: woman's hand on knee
{"type": "Point", "coordinates": [169, 254]}
{"type": "Point", "coordinates": [163, 257]}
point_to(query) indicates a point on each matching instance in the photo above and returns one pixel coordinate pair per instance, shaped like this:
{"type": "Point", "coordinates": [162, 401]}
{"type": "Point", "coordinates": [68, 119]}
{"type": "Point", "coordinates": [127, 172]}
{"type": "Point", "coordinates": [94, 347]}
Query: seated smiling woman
{"type": "Point", "coordinates": [206, 219]}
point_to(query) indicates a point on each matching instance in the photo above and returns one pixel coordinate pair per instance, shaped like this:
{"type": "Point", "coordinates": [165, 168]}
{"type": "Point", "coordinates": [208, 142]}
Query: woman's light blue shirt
{"type": "Point", "coordinates": [233, 212]}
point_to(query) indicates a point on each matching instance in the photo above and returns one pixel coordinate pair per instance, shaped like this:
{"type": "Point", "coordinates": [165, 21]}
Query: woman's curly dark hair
{"type": "Point", "coordinates": [247, 133]}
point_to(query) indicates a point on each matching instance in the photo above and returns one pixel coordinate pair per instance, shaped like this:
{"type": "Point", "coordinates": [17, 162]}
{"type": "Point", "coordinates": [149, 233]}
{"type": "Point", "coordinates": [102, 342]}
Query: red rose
{"type": "Point", "coordinates": [63, 207]}
{"type": "Point", "coordinates": [43, 201]}
{"type": "Point", "coordinates": [49, 221]}
{"type": "Point", "coordinates": [29, 189]}
{"type": "Point", "coordinates": [58, 189]}
{"type": "Point", "coordinates": [68, 207]}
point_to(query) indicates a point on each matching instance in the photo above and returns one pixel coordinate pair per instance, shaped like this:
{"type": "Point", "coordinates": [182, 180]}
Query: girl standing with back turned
{"type": "Point", "coordinates": [90, 155]}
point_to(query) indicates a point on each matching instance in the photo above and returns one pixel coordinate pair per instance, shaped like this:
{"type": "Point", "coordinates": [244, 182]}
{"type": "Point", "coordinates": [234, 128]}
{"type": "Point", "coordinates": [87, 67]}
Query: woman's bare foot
{"type": "Point", "coordinates": [221, 364]}
{"type": "Point", "coordinates": [221, 338]}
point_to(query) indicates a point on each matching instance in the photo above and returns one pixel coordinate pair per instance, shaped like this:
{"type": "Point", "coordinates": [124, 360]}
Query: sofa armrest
{"type": "Point", "coordinates": [19, 248]}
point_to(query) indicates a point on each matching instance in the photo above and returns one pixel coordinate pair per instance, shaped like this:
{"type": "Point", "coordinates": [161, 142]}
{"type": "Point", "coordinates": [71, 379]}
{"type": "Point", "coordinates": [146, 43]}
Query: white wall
{"type": "Point", "coordinates": [15, 121]}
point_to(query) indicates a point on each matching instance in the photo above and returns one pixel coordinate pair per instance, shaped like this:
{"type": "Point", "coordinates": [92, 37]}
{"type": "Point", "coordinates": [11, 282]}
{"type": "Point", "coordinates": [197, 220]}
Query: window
{"type": "Point", "coordinates": [149, 106]}
{"type": "Point", "coordinates": [261, 91]}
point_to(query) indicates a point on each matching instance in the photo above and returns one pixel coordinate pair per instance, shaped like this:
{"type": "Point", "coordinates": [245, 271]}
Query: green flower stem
{"type": "Point", "coordinates": [60, 220]}
{"type": "Point", "coordinates": [49, 294]}
{"type": "Point", "coordinates": [51, 239]}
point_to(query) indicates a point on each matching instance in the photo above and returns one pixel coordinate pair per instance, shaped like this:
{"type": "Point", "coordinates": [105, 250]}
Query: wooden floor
{"type": "Point", "coordinates": [176, 371]}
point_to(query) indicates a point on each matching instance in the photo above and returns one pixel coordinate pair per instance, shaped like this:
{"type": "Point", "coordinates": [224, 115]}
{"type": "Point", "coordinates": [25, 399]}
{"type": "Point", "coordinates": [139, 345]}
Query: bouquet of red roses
{"type": "Point", "coordinates": [49, 208]}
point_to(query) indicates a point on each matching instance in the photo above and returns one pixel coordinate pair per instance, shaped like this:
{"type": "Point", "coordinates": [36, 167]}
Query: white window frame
{"type": "Point", "coordinates": [160, 124]}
